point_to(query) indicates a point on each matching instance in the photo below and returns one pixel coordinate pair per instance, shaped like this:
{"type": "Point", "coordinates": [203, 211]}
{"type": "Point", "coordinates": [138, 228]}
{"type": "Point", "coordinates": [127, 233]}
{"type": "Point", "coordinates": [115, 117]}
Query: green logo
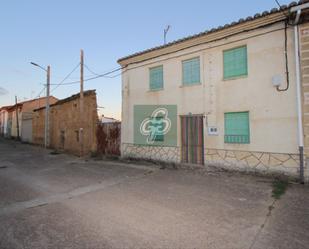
{"type": "Point", "coordinates": [155, 125]}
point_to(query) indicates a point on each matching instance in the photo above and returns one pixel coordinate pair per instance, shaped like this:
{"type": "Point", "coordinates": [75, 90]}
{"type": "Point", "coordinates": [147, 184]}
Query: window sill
{"type": "Point", "coordinates": [236, 77]}
{"type": "Point", "coordinates": [236, 143]}
{"type": "Point", "coordinates": [155, 90]}
{"type": "Point", "coordinates": [195, 84]}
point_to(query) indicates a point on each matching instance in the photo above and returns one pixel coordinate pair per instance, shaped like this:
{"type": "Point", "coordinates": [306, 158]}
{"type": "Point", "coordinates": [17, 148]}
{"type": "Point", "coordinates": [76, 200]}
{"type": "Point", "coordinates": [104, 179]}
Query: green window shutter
{"type": "Point", "coordinates": [159, 137]}
{"type": "Point", "coordinates": [156, 78]}
{"type": "Point", "coordinates": [191, 71]}
{"type": "Point", "coordinates": [235, 62]}
{"type": "Point", "coordinates": [236, 127]}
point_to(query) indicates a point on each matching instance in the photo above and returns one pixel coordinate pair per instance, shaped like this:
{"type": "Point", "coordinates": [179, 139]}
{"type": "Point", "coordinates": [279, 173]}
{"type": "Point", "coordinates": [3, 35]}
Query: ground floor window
{"type": "Point", "coordinates": [236, 127]}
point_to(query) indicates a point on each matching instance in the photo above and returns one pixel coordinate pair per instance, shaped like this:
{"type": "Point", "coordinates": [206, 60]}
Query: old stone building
{"type": "Point", "coordinates": [69, 130]}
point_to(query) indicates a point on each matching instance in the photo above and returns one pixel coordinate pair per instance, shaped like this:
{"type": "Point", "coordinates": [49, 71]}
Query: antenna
{"type": "Point", "coordinates": [165, 32]}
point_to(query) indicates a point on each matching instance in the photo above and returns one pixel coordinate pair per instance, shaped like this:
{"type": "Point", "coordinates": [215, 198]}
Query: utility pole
{"type": "Point", "coordinates": [47, 108]}
{"type": "Point", "coordinates": [46, 135]}
{"type": "Point", "coordinates": [17, 121]}
{"type": "Point", "coordinates": [81, 104]}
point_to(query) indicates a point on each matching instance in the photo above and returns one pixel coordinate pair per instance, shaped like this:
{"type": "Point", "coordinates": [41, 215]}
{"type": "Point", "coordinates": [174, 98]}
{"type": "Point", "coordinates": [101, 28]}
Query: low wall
{"type": "Point", "coordinates": [259, 162]}
{"type": "Point", "coordinates": [157, 153]}
{"type": "Point", "coordinates": [264, 162]}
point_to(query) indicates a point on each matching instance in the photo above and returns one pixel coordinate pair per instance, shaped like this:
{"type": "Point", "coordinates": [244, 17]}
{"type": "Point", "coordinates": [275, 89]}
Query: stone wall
{"type": "Point", "coordinates": [258, 162]}
{"type": "Point", "coordinates": [30, 105]}
{"type": "Point", "coordinates": [263, 162]}
{"type": "Point", "coordinates": [156, 153]}
{"type": "Point", "coordinates": [65, 124]}
{"type": "Point", "coordinates": [38, 127]}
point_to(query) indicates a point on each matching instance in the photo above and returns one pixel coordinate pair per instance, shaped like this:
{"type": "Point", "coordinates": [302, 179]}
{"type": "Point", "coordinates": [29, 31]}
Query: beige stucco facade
{"type": "Point", "coordinates": [273, 143]}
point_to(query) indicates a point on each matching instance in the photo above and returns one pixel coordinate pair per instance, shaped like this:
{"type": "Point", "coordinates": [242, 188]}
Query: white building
{"type": "Point", "coordinates": [4, 114]}
{"type": "Point", "coordinates": [229, 96]}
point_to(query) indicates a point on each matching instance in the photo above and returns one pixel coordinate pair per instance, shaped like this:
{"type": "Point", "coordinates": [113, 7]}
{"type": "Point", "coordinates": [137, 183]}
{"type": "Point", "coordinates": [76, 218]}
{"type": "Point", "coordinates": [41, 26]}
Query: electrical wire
{"type": "Point", "coordinates": [114, 76]}
{"type": "Point", "coordinates": [85, 65]}
{"type": "Point", "coordinates": [94, 73]}
{"type": "Point", "coordinates": [39, 94]}
{"type": "Point", "coordinates": [95, 77]}
{"type": "Point", "coordinates": [65, 78]}
{"type": "Point", "coordinates": [286, 60]}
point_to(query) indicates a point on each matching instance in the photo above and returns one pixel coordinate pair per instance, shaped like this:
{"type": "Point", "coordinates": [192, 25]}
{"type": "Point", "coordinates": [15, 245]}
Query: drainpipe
{"type": "Point", "coordinates": [298, 91]}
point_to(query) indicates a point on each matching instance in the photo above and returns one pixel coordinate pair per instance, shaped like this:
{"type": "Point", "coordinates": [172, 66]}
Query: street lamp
{"type": "Point", "coordinates": [46, 137]}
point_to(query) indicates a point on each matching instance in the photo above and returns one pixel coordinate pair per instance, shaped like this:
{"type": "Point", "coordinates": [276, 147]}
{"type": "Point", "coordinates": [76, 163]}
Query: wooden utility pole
{"type": "Point", "coordinates": [17, 121]}
{"type": "Point", "coordinates": [81, 104]}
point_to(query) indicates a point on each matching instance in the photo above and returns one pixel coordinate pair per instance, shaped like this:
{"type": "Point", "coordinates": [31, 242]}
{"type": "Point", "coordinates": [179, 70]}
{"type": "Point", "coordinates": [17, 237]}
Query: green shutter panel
{"type": "Point", "coordinates": [191, 71]}
{"type": "Point", "coordinates": [235, 62]}
{"type": "Point", "coordinates": [237, 127]}
{"type": "Point", "coordinates": [159, 137]}
{"type": "Point", "coordinates": [156, 78]}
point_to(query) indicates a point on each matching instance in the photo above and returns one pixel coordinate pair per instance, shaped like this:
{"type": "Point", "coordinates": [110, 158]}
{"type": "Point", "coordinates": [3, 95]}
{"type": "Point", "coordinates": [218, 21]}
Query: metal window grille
{"type": "Point", "coordinates": [236, 126]}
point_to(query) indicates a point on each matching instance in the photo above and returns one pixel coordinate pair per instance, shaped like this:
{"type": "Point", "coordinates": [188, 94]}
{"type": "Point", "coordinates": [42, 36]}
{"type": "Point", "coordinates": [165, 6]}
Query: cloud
{"type": "Point", "coordinates": [3, 91]}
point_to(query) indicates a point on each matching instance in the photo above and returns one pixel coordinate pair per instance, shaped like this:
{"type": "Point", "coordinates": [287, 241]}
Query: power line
{"type": "Point", "coordinates": [97, 74]}
{"type": "Point", "coordinates": [38, 96]}
{"type": "Point", "coordinates": [91, 70]}
{"type": "Point", "coordinates": [65, 78]}
{"type": "Point", "coordinates": [95, 77]}
{"type": "Point", "coordinates": [114, 76]}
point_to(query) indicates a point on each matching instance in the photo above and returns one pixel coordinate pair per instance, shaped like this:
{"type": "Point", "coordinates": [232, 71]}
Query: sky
{"type": "Point", "coordinates": [53, 32]}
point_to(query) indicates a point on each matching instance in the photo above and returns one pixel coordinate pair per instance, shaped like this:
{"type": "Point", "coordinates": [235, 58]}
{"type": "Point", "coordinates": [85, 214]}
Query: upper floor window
{"type": "Point", "coordinates": [235, 62]}
{"type": "Point", "coordinates": [236, 127]}
{"type": "Point", "coordinates": [156, 78]}
{"type": "Point", "coordinates": [191, 71]}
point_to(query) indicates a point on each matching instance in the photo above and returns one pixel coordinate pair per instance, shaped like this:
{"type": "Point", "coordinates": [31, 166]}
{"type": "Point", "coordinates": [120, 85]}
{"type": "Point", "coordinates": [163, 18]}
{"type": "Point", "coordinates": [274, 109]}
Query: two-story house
{"type": "Point", "coordinates": [236, 96]}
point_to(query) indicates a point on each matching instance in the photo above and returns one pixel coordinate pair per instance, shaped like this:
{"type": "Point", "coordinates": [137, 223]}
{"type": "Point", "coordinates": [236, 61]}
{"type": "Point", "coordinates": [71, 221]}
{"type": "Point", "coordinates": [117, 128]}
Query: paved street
{"type": "Point", "coordinates": [60, 201]}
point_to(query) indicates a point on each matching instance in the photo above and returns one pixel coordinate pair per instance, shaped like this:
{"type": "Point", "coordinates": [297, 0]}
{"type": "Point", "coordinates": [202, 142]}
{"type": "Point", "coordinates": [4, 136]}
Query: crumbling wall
{"type": "Point", "coordinates": [66, 122]}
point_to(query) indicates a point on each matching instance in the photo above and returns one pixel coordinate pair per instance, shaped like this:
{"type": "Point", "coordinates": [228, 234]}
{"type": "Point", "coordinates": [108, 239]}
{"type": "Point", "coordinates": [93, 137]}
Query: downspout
{"type": "Point", "coordinates": [299, 98]}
